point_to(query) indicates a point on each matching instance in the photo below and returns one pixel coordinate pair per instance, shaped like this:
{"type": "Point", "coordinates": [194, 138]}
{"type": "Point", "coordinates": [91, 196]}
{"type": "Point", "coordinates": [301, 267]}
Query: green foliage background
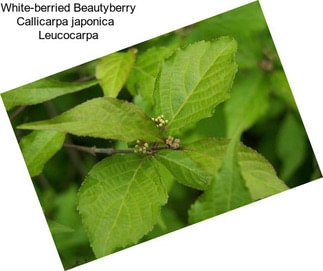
{"type": "Point", "coordinates": [261, 102]}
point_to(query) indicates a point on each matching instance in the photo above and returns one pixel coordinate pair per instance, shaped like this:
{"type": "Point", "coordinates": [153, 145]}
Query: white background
{"type": "Point", "coordinates": [283, 232]}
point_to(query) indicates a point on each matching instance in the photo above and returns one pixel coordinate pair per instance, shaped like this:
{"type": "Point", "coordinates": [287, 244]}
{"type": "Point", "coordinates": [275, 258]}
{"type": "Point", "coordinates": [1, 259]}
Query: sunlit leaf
{"type": "Point", "coordinates": [38, 147]}
{"type": "Point", "coordinates": [120, 202]}
{"type": "Point", "coordinates": [144, 73]}
{"type": "Point", "coordinates": [248, 102]}
{"type": "Point", "coordinates": [184, 169]}
{"type": "Point", "coordinates": [103, 118]}
{"type": "Point", "coordinates": [112, 71]}
{"type": "Point", "coordinates": [260, 176]}
{"type": "Point", "coordinates": [227, 191]}
{"type": "Point", "coordinates": [57, 228]}
{"type": "Point", "coordinates": [244, 24]}
{"type": "Point", "coordinates": [193, 81]}
{"type": "Point", "coordinates": [41, 91]}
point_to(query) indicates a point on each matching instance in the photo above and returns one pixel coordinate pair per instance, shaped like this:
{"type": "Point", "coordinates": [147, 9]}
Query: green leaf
{"type": "Point", "coordinates": [168, 178]}
{"type": "Point", "coordinates": [112, 71]}
{"type": "Point", "coordinates": [214, 126]}
{"type": "Point", "coordinates": [38, 147]}
{"type": "Point", "coordinates": [260, 176]}
{"type": "Point", "coordinates": [227, 191]}
{"type": "Point", "coordinates": [169, 221]}
{"type": "Point", "coordinates": [57, 228]}
{"type": "Point", "coordinates": [86, 70]}
{"type": "Point", "coordinates": [143, 75]}
{"type": "Point", "coordinates": [194, 80]}
{"type": "Point", "coordinates": [248, 102]}
{"type": "Point", "coordinates": [69, 243]}
{"type": "Point", "coordinates": [65, 212]}
{"type": "Point", "coordinates": [41, 91]}
{"type": "Point", "coordinates": [104, 118]}
{"type": "Point", "coordinates": [280, 86]}
{"type": "Point", "coordinates": [291, 145]}
{"type": "Point", "coordinates": [250, 50]}
{"type": "Point", "coordinates": [120, 201]}
{"type": "Point", "coordinates": [170, 40]}
{"type": "Point", "coordinates": [237, 22]}
{"type": "Point", "coordinates": [144, 105]}
{"type": "Point", "coordinates": [244, 24]}
{"type": "Point", "coordinates": [184, 169]}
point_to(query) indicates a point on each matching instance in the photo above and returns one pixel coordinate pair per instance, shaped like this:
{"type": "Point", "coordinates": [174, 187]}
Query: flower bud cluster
{"type": "Point", "coordinates": [160, 121]}
{"type": "Point", "coordinates": [173, 143]}
{"type": "Point", "coordinates": [141, 147]}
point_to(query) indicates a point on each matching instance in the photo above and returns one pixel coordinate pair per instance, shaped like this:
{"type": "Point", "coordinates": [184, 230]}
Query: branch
{"type": "Point", "coordinates": [17, 112]}
{"type": "Point", "coordinates": [110, 151]}
{"type": "Point", "coordinates": [156, 148]}
{"type": "Point", "coordinates": [94, 150]}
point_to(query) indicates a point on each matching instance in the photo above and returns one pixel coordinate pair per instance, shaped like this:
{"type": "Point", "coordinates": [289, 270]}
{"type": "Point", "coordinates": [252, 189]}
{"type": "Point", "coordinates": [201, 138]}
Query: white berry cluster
{"type": "Point", "coordinates": [141, 147]}
{"type": "Point", "coordinates": [160, 121]}
{"type": "Point", "coordinates": [173, 143]}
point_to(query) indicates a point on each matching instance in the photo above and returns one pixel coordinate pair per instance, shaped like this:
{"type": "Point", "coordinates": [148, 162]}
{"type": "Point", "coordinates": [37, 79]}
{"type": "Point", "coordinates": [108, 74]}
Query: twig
{"type": "Point", "coordinates": [155, 145]}
{"type": "Point", "coordinates": [110, 151]}
{"type": "Point", "coordinates": [94, 150]}
{"type": "Point", "coordinates": [156, 148]}
{"type": "Point", "coordinates": [17, 112]}
{"type": "Point", "coordinates": [43, 181]}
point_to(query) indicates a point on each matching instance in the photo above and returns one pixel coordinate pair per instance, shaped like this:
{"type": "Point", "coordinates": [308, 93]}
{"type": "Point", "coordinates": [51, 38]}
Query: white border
{"type": "Point", "coordinates": [278, 233]}
{"type": "Point", "coordinates": [26, 242]}
{"type": "Point", "coordinates": [31, 59]}
{"type": "Point", "coordinates": [283, 232]}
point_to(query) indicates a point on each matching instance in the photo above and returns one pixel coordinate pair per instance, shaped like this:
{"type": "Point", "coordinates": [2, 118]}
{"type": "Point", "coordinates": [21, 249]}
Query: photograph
{"type": "Point", "coordinates": [161, 135]}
